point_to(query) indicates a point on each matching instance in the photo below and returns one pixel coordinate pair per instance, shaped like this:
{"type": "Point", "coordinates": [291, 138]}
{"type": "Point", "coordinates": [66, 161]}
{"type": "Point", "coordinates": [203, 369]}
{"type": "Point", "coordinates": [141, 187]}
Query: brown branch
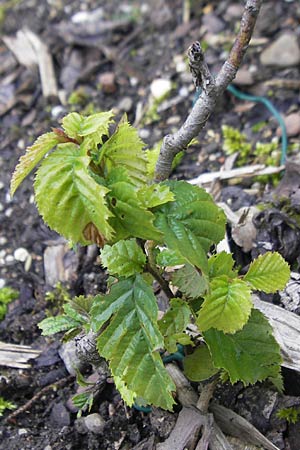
{"type": "Point", "coordinates": [174, 143]}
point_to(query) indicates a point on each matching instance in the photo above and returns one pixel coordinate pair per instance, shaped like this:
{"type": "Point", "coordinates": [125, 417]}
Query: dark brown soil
{"type": "Point", "coordinates": [146, 45]}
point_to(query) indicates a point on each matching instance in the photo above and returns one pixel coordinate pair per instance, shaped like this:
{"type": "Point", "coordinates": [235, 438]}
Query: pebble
{"type": "Point", "coordinates": [68, 354]}
{"type": "Point", "coordinates": [48, 447]}
{"type": "Point", "coordinates": [160, 87]}
{"type": "Point", "coordinates": [60, 415]}
{"type": "Point", "coordinates": [283, 52]}
{"type": "Point", "coordinates": [57, 111]}
{"type": "Point", "coordinates": [244, 77]}
{"type": "Point", "coordinates": [292, 123]}
{"type": "Point", "coordinates": [3, 240]}
{"type": "Point", "coordinates": [144, 133]}
{"type": "Point", "coordinates": [212, 23]}
{"type": "Point", "coordinates": [107, 81]}
{"type": "Point", "coordinates": [94, 423]}
{"type": "Point", "coordinates": [125, 104]}
{"type": "Point", "coordinates": [2, 283]}
{"type": "Point", "coordinates": [22, 431]}
{"type": "Point", "coordinates": [9, 259]}
{"type": "Point", "coordinates": [1, 185]}
{"type": "Point", "coordinates": [234, 11]}
{"type": "Point", "coordinates": [183, 91]}
{"type": "Point", "coordinates": [21, 254]}
{"type": "Point", "coordinates": [8, 212]}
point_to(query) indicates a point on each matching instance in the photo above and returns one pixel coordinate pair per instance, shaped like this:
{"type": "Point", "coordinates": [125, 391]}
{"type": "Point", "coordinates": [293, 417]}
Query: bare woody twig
{"type": "Point", "coordinates": [174, 143]}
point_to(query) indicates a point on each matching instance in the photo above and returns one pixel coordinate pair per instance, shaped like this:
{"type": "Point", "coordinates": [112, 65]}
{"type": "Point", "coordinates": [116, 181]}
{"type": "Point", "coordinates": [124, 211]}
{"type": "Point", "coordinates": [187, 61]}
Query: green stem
{"type": "Point", "coordinates": [152, 268]}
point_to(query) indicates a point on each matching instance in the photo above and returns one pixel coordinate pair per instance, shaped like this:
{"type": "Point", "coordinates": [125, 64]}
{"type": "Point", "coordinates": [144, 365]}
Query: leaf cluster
{"type": "Point", "coordinates": [97, 186]}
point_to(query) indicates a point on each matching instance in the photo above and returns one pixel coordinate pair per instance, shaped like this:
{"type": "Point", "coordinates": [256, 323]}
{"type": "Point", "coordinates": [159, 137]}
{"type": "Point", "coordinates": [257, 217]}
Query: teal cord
{"type": "Point", "coordinates": [257, 99]}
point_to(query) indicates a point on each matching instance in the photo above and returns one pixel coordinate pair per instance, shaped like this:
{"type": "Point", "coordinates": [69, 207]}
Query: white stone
{"type": "Point", "coordinates": [8, 212]}
{"type": "Point", "coordinates": [144, 133]}
{"type": "Point", "coordinates": [3, 240]}
{"type": "Point", "coordinates": [21, 254]}
{"type": "Point", "coordinates": [1, 185]}
{"type": "Point", "coordinates": [183, 91]}
{"type": "Point", "coordinates": [160, 88]}
{"type": "Point", "coordinates": [1, 207]}
{"type": "Point", "coordinates": [22, 431]}
{"type": "Point", "coordinates": [57, 111]}
{"type": "Point", "coordinates": [9, 259]}
{"type": "Point", "coordinates": [2, 283]}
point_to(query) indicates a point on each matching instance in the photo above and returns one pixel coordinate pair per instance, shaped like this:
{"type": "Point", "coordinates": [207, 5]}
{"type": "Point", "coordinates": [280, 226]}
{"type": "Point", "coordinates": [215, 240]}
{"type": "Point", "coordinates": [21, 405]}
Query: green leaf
{"type": "Point", "coordinates": [169, 258]}
{"type": "Point", "coordinates": [32, 157]}
{"type": "Point", "coordinates": [221, 264]}
{"type": "Point", "coordinates": [52, 325]}
{"type": "Point", "coordinates": [190, 282]}
{"type": "Point", "coordinates": [72, 124]}
{"type": "Point", "coordinates": [130, 340]}
{"type": "Point", "coordinates": [199, 366]}
{"type": "Point", "coordinates": [152, 157]}
{"type": "Point", "coordinates": [268, 273]}
{"type": "Point", "coordinates": [155, 195]}
{"type": "Point", "coordinates": [191, 224]}
{"type": "Point", "coordinates": [250, 355]}
{"type": "Point", "coordinates": [69, 199]}
{"type": "Point", "coordinates": [130, 218]}
{"type": "Point", "coordinates": [92, 128]}
{"type": "Point", "coordinates": [125, 258]}
{"type": "Point", "coordinates": [227, 307]}
{"type": "Point", "coordinates": [83, 402]}
{"type": "Point", "coordinates": [174, 322]}
{"type": "Point", "coordinates": [124, 149]}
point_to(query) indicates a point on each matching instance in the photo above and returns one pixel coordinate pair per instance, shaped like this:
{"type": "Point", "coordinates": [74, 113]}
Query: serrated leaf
{"type": "Point", "coordinates": [191, 224]}
{"type": "Point", "coordinates": [268, 273]}
{"type": "Point", "coordinates": [124, 148]}
{"type": "Point", "coordinates": [130, 218]}
{"type": "Point", "coordinates": [83, 401]}
{"type": "Point", "coordinates": [130, 340]}
{"type": "Point", "coordinates": [96, 123]}
{"type": "Point", "coordinates": [250, 355]}
{"type": "Point", "coordinates": [71, 124]}
{"type": "Point", "coordinates": [227, 307]}
{"type": "Point", "coordinates": [125, 258]}
{"type": "Point", "coordinates": [199, 366]}
{"type": "Point", "coordinates": [32, 157]}
{"type": "Point", "coordinates": [190, 282]}
{"type": "Point", "coordinates": [221, 264]}
{"type": "Point", "coordinates": [52, 325]}
{"type": "Point", "coordinates": [155, 195]}
{"type": "Point", "coordinates": [127, 395]}
{"type": "Point", "coordinates": [152, 157]}
{"type": "Point", "coordinates": [174, 321]}
{"type": "Point", "coordinates": [69, 199]}
{"type": "Point", "coordinates": [169, 258]}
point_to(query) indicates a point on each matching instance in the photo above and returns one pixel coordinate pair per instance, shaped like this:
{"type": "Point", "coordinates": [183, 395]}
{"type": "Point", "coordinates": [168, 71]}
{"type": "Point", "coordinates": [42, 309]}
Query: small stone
{"type": "Point", "coordinates": [160, 88]}
{"type": "Point", "coordinates": [58, 111]}
{"type": "Point", "coordinates": [1, 185]}
{"type": "Point", "coordinates": [234, 11]}
{"type": "Point", "coordinates": [22, 431]}
{"type": "Point", "coordinates": [107, 81]}
{"type": "Point", "coordinates": [48, 447]}
{"type": "Point", "coordinates": [3, 240]}
{"type": "Point", "coordinates": [144, 133]}
{"type": "Point", "coordinates": [8, 212]}
{"type": "Point", "coordinates": [21, 254]}
{"type": "Point", "coordinates": [9, 259]}
{"type": "Point", "coordinates": [80, 425]}
{"type": "Point", "coordinates": [2, 283]}
{"type": "Point", "coordinates": [60, 415]}
{"type": "Point", "coordinates": [68, 354]}
{"type": "Point", "coordinates": [284, 52]}
{"type": "Point", "coordinates": [292, 124]}
{"type": "Point", "coordinates": [94, 423]}
{"type": "Point", "coordinates": [125, 104]}
{"type": "Point", "coordinates": [244, 77]}
{"type": "Point", "coordinates": [183, 91]}
{"type": "Point", "coordinates": [212, 23]}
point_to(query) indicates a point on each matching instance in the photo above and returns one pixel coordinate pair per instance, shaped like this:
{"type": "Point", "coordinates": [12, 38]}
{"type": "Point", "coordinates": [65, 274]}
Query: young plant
{"type": "Point", "coordinates": [97, 186]}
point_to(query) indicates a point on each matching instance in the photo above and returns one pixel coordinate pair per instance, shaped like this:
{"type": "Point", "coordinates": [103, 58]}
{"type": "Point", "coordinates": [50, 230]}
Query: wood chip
{"type": "Point", "coordinates": [17, 356]}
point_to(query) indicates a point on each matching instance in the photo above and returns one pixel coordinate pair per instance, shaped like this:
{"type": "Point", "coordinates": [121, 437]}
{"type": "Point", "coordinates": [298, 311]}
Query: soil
{"type": "Point", "coordinates": [149, 42]}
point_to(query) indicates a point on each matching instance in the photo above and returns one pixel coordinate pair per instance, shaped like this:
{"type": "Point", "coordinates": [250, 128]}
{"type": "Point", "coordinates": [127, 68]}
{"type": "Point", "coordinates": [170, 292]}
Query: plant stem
{"type": "Point", "coordinates": [151, 267]}
{"type": "Point", "coordinates": [196, 120]}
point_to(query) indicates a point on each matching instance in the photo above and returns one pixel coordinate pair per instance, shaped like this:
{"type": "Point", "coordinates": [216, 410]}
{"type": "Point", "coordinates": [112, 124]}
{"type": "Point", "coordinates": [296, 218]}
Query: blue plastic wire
{"type": "Point", "coordinates": [269, 105]}
{"type": "Point", "coordinates": [258, 99]}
